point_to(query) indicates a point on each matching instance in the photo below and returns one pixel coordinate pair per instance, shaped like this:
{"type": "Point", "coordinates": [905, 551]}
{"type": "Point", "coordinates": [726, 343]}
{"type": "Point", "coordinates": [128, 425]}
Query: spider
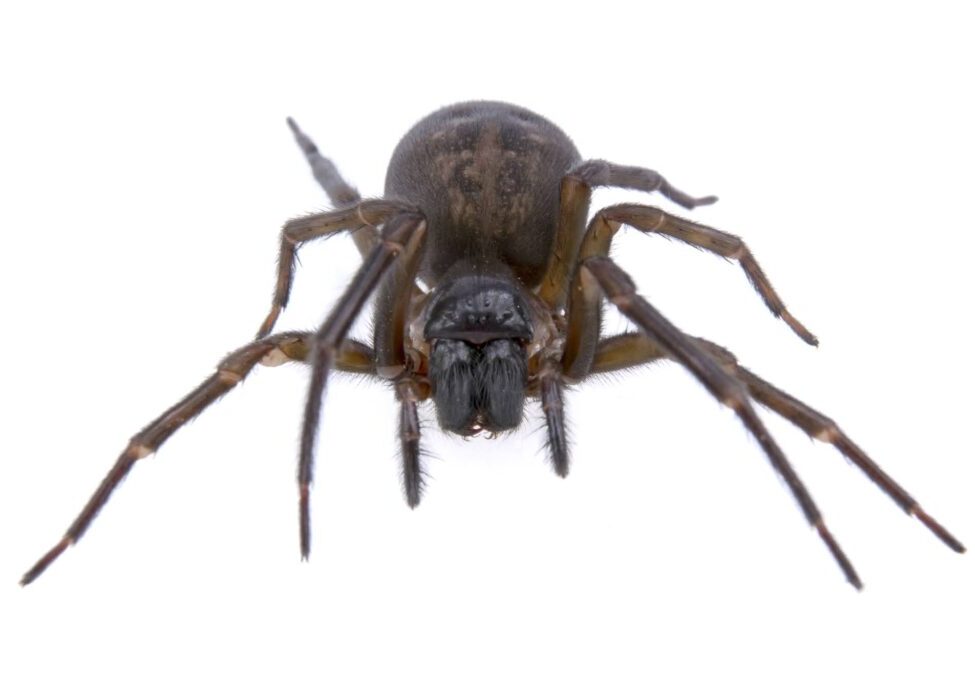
{"type": "Point", "coordinates": [489, 291]}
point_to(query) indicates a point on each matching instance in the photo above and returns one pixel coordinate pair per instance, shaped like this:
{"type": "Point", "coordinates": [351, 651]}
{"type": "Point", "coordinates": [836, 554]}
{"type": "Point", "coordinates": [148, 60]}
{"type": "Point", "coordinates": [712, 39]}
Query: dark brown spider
{"type": "Point", "coordinates": [486, 206]}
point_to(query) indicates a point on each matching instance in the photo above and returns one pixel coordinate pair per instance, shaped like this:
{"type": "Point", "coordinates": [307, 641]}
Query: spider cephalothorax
{"type": "Point", "coordinates": [486, 207]}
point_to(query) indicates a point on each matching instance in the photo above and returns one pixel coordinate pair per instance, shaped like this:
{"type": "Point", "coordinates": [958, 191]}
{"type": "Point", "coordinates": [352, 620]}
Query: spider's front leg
{"type": "Point", "coordinates": [575, 193]}
{"type": "Point", "coordinates": [630, 350]}
{"type": "Point", "coordinates": [274, 350]}
{"type": "Point", "coordinates": [402, 233]}
{"type": "Point", "coordinates": [598, 275]}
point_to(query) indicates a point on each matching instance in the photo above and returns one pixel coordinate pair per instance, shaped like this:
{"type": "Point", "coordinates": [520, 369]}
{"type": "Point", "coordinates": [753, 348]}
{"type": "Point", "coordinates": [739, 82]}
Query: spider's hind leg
{"type": "Point", "coordinates": [340, 192]}
{"type": "Point", "coordinates": [630, 350]}
{"type": "Point", "coordinates": [361, 218]}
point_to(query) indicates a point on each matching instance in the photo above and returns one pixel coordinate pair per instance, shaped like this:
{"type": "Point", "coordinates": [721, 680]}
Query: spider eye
{"type": "Point", "coordinates": [478, 309]}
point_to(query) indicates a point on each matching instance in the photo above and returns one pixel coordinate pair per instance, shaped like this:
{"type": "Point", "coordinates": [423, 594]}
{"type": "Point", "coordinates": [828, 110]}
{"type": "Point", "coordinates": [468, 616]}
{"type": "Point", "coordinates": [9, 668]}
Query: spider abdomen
{"type": "Point", "coordinates": [486, 176]}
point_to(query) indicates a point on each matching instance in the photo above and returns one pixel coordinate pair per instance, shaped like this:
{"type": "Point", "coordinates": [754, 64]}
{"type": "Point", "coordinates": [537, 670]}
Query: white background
{"type": "Point", "coordinates": [145, 171]}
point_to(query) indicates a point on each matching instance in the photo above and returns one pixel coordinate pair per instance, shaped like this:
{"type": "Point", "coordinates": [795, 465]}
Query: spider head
{"type": "Point", "coordinates": [477, 326]}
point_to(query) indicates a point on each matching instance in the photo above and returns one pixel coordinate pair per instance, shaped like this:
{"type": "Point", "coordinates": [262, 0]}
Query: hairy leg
{"type": "Point", "coordinates": [575, 194]}
{"type": "Point", "coordinates": [397, 236]}
{"type": "Point", "coordinates": [339, 192]}
{"type": "Point", "coordinates": [307, 228]}
{"type": "Point", "coordinates": [603, 275]}
{"type": "Point", "coordinates": [631, 350]}
{"type": "Point", "coordinates": [272, 350]}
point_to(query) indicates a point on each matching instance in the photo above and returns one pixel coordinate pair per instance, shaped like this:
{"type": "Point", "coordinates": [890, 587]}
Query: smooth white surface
{"type": "Point", "coordinates": [146, 170]}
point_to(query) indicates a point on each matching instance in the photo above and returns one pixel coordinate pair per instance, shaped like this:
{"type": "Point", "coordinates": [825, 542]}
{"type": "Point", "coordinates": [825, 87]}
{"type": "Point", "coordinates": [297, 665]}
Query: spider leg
{"type": "Point", "coordinates": [583, 333]}
{"type": "Point", "coordinates": [273, 350]}
{"type": "Point", "coordinates": [601, 272]}
{"type": "Point", "coordinates": [390, 319]}
{"type": "Point", "coordinates": [553, 408]}
{"type": "Point", "coordinates": [392, 306]}
{"type": "Point", "coordinates": [394, 300]}
{"type": "Point", "coordinates": [339, 192]}
{"type": "Point", "coordinates": [408, 393]}
{"type": "Point", "coordinates": [606, 223]}
{"type": "Point", "coordinates": [575, 193]}
{"type": "Point", "coordinates": [599, 173]}
{"type": "Point", "coordinates": [629, 350]}
{"type": "Point", "coordinates": [398, 233]}
{"type": "Point", "coordinates": [623, 351]}
{"type": "Point", "coordinates": [300, 230]}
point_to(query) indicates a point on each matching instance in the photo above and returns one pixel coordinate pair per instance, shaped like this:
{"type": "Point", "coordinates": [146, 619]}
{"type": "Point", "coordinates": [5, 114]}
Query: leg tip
{"type": "Point", "coordinates": [704, 201]}
{"type": "Point", "coordinates": [45, 561]}
{"type": "Point", "coordinates": [939, 531]}
{"type": "Point", "coordinates": [798, 327]}
{"type": "Point", "coordinates": [834, 548]}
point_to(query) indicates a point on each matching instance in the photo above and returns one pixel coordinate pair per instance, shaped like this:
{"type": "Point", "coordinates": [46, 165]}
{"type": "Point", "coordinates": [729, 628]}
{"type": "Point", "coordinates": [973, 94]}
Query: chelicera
{"type": "Point", "coordinates": [489, 284]}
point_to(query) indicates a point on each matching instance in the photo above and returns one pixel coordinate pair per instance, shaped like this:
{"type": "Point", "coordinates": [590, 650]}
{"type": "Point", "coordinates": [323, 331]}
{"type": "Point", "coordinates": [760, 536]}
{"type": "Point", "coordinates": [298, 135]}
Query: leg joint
{"type": "Point", "coordinates": [829, 432]}
{"type": "Point", "coordinates": [138, 450]}
{"type": "Point", "coordinates": [228, 376]}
